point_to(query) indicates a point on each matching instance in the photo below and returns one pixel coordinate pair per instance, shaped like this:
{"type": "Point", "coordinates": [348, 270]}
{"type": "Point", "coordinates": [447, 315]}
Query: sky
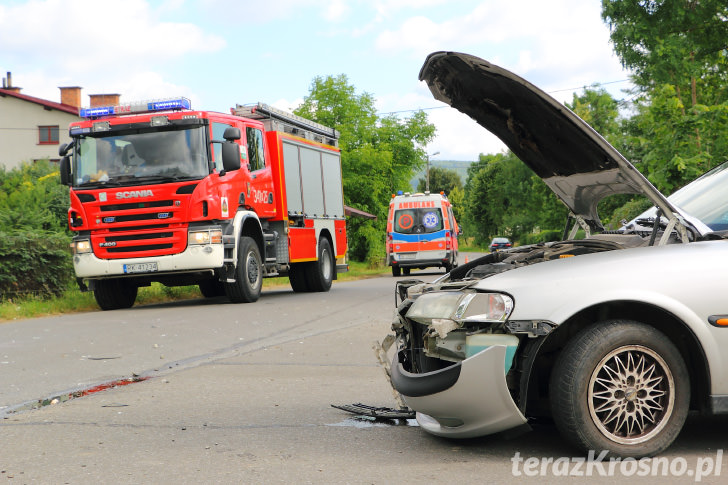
{"type": "Point", "coordinates": [219, 53]}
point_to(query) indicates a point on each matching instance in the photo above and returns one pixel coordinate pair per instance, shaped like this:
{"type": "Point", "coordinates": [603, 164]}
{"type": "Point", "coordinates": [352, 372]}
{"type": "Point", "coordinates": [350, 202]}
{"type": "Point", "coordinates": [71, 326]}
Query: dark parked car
{"type": "Point", "coordinates": [499, 243]}
{"type": "Point", "coordinates": [615, 337]}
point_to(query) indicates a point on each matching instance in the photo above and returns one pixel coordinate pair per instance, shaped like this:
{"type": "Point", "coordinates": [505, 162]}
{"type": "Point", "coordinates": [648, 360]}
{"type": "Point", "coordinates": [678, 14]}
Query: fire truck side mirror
{"type": "Point", "coordinates": [66, 170]}
{"type": "Point", "coordinates": [230, 156]}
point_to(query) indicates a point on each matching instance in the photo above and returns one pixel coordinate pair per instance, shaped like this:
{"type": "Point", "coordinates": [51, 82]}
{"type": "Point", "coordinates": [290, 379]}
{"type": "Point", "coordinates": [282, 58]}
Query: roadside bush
{"type": "Point", "coordinates": [539, 237]}
{"type": "Point", "coordinates": [34, 263]}
{"type": "Point", "coordinates": [32, 198]}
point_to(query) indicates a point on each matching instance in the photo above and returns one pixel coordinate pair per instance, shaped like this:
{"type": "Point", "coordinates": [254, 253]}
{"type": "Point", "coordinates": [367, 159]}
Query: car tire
{"type": "Point", "coordinates": [396, 271]}
{"type": "Point", "coordinates": [212, 288]}
{"type": "Point", "coordinates": [613, 373]}
{"type": "Point", "coordinates": [115, 294]}
{"type": "Point", "coordinates": [320, 274]}
{"type": "Point", "coordinates": [297, 277]}
{"type": "Point", "coordinates": [248, 273]}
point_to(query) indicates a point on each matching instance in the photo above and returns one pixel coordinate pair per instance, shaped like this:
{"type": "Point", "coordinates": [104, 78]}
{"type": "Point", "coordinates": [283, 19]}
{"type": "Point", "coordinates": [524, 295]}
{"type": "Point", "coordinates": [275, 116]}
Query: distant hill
{"type": "Point", "coordinates": [461, 167]}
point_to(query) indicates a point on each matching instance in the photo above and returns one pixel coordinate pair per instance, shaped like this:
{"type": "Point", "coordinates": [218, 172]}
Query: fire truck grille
{"type": "Point", "coordinates": [133, 249]}
{"type": "Point", "coordinates": [136, 205]}
{"type": "Point", "coordinates": [141, 241]}
{"type": "Point", "coordinates": [139, 237]}
{"type": "Point", "coordinates": [143, 217]}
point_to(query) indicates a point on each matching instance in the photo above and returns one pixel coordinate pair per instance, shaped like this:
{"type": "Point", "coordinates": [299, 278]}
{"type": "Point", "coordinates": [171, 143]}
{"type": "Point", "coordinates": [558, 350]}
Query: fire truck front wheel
{"type": "Point", "coordinates": [319, 274]}
{"type": "Point", "coordinates": [248, 273]}
{"type": "Point", "coordinates": [114, 294]}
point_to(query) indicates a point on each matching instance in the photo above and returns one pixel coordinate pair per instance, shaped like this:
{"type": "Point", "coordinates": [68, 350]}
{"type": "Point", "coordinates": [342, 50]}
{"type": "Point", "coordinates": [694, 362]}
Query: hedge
{"type": "Point", "coordinates": [34, 263]}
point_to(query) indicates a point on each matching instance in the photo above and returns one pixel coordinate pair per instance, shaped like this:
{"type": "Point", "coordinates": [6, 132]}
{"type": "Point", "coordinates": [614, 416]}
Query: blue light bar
{"type": "Point", "coordinates": [179, 103]}
{"type": "Point", "coordinates": [138, 107]}
{"type": "Point", "coordinates": [96, 112]}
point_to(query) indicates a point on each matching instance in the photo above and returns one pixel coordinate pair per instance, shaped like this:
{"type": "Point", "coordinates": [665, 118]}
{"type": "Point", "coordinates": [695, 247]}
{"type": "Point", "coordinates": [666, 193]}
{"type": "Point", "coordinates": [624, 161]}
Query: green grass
{"type": "Point", "coordinates": [73, 300]}
{"type": "Point", "coordinates": [468, 245]}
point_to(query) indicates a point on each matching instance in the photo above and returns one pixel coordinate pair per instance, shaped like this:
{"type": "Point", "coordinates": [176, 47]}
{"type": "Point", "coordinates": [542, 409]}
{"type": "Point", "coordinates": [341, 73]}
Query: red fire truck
{"type": "Point", "coordinates": [162, 193]}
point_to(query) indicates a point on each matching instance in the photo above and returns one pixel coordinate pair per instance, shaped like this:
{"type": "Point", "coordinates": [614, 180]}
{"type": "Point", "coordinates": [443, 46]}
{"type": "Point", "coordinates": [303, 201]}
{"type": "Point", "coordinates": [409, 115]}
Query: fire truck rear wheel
{"type": "Point", "coordinates": [320, 274]}
{"type": "Point", "coordinates": [248, 273]}
{"type": "Point", "coordinates": [297, 277]}
{"type": "Point", "coordinates": [396, 270]}
{"type": "Point", "coordinates": [115, 294]}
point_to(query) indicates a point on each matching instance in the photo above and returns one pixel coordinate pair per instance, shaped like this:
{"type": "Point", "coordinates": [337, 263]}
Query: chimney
{"type": "Point", "coordinates": [8, 83]}
{"type": "Point", "coordinates": [71, 96]}
{"type": "Point", "coordinates": [104, 100]}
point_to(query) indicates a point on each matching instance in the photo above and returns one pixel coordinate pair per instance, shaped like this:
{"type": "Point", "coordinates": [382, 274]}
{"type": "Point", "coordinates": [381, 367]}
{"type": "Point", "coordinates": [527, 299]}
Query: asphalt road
{"type": "Point", "coordinates": [242, 394]}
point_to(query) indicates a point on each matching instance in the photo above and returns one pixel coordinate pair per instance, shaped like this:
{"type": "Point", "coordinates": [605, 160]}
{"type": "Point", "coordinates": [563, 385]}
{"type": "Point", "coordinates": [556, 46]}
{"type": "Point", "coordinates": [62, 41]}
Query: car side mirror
{"type": "Point", "coordinates": [66, 170]}
{"type": "Point", "coordinates": [230, 154]}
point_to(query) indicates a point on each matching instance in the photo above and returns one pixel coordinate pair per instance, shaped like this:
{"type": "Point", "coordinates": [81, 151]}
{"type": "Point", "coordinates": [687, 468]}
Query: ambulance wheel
{"type": "Point", "coordinates": [114, 294]}
{"type": "Point", "coordinates": [320, 274]}
{"type": "Point", "coordinates": [297, 277]}
{"type": "Point", "coordinates": [396, 271]}
{"type": "Point", "coordinates": [406, 271]}
{"type": "Point", "coordinates": [248, 273]}
{"type": "Point", "coordinates": [212, 288]}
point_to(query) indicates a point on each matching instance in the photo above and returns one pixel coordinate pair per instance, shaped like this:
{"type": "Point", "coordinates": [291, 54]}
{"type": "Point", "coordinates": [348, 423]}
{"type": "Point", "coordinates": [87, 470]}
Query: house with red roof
{"type": "Point", "coordinates": [32, 128]}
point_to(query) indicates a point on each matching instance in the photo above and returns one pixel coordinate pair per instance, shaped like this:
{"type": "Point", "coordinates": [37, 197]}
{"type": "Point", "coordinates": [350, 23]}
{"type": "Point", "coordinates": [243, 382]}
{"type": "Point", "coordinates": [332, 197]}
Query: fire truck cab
{"type": "Point", "coordinates": [421, 233]}
{"type": "Point", "coordinates": [162, 193]}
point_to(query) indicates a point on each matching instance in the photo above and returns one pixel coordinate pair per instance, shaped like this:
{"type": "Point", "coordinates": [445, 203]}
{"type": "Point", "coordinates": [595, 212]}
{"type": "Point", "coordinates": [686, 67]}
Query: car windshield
{"type": "Point", "coordinates": [418, 221]}
{"type": "Point", "coordinates": [127, 158]}
{"type": "Point", "coordinates": [705, 198]}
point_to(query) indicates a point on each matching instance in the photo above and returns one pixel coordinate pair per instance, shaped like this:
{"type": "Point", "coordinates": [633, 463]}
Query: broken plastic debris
{"type": "Point", "coordinates": [376, 412]}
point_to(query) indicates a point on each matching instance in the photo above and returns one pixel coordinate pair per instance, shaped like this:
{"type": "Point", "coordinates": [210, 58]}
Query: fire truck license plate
{"type": "Point", "coordinates": [407, 256]}
{"type": "Point", "coordinates": [140, 267]}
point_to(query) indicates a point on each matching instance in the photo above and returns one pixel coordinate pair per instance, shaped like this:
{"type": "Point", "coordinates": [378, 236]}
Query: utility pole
{"type": "Point", "coordinates": [427, 181]}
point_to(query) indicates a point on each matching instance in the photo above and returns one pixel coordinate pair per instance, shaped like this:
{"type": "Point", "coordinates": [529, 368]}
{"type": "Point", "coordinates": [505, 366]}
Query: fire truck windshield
{"type": "Point", "coordinates": [127, 159]}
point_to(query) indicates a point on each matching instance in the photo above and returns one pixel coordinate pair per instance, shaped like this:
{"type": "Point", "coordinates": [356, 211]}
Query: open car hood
{"type": "Point", "coordinates": [578, 164]}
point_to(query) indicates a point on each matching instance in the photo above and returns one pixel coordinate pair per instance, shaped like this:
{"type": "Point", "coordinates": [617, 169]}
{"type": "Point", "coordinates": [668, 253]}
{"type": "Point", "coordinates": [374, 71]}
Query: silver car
{"type": "Point", "coordinates": [615, 337]}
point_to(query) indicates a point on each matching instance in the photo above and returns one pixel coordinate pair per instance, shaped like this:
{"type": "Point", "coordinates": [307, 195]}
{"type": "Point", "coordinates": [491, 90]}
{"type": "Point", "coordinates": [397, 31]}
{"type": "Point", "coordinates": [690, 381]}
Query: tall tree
{"type": "Point", "coordinates": [379, 155]}
{"type": "Point", "coordinates": [505, 198]}
{"type": "Point", "coordinates": [441, 180]}
{"type": "Point", "coordinates": [598, 108]}
{"type": "Point", "coordinates": [678, 52]}
{"type": "Point", "coordinates": [676, 42]}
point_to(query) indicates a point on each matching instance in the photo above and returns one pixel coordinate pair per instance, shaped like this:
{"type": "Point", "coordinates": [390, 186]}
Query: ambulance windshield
{"type": "Point", "coordinates": [124, 159]}
{"type": "Point", "coordinates": [418, 221]}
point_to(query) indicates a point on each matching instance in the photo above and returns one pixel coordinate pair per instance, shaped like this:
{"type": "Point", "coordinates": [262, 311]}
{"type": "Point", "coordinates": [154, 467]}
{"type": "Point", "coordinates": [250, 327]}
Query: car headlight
{"type": "Point", "coordinates": [81, 246]}
{"type": "Point", "coordinates": [208, 236]}
{"type": "Point", "coordinates": [461, 307]}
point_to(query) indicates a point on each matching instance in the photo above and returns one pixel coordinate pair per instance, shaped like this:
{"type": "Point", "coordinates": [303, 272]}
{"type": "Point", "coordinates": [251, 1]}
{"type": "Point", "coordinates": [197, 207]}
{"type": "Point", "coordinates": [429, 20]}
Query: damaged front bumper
{"type": "Point", "coordinates": [467, 399]}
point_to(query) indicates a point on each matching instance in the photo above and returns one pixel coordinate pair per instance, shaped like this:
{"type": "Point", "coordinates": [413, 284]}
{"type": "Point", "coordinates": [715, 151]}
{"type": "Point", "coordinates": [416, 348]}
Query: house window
{"type": "Point", "coordinates": [48, 135]}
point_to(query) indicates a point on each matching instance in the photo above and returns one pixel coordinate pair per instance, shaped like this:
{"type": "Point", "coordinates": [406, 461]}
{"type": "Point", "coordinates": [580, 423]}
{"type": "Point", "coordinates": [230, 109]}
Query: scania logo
{"type": "Point", "coordinates": [132, 194]}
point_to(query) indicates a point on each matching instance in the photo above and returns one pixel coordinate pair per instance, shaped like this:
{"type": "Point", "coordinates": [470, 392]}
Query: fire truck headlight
{"type": "Point", "coordinates": [213, 236]}
{"type": "Point", "coordinates": [81, 246]}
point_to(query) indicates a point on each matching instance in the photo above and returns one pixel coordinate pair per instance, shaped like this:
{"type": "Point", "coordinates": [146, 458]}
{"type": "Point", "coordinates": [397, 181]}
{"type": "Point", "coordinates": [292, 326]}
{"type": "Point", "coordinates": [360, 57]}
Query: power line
{"type": "Point", "coordinates": [549, 92]}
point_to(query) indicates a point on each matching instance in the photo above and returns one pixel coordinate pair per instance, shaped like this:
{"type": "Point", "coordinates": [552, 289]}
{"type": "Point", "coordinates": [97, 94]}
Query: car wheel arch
{"type": "Point", "coordinates": [677, 331]}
